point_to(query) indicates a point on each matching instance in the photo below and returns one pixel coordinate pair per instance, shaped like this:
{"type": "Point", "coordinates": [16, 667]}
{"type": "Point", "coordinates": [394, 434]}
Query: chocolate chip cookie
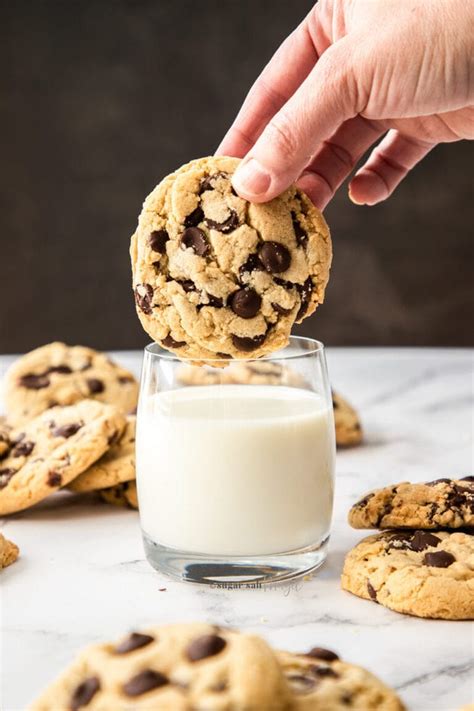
{"type": "Point", "coordinates": [443, 503]}
{"type": "Point", "coordinates": [124, 494]}
{"type": "Point", "coordinates": [115, 466]}
{"type": "Point", "coordinates": [418, 572]}
{"type": "Point", "coordinates": [320, 680]}
{"type": "Point", "coordinates": [172, 668]}
{"type": "Point", "coordinates": [215, 276]}
{"type": "Point", "coordinates": [348, 427]}
{"type": "Point", "coordinates": [9, 552]}
{"type": "Point", "coordinates": [57, 374]}
{"type": "Point", "coordinates": [52, 449]}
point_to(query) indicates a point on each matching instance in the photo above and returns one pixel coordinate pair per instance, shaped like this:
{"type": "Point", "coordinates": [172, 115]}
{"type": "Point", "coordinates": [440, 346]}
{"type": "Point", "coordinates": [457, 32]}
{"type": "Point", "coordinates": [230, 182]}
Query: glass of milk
{"type": "Point", "coordinates": [235, 465]}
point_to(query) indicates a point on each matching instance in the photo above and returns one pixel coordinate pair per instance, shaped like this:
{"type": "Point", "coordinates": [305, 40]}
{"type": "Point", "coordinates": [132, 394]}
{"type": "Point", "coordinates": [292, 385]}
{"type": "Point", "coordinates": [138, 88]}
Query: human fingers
{"type": "Point", "coordinates": [386, 167]}
{"type": "Point", "coordinates": [326, 99]}
{"type": "Point", "coordinates": [287, 69]}
{"type": "Point", "coordinates": [336, 159]}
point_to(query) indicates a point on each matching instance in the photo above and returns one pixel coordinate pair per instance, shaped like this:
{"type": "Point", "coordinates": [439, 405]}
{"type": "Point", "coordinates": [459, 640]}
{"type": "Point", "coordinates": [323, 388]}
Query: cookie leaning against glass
{"type": "Point", "coordinates": [215, 276]}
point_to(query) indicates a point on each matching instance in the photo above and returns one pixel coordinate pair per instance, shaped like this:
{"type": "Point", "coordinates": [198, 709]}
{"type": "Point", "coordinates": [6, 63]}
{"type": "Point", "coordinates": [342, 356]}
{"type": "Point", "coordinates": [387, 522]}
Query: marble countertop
{"type": "Point", "coordinates": [82, 576]}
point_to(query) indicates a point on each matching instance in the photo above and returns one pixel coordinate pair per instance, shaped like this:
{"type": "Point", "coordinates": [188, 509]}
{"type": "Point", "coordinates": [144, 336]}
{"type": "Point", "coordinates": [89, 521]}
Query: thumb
{"type": "Point", "coordinates": [326, 99]}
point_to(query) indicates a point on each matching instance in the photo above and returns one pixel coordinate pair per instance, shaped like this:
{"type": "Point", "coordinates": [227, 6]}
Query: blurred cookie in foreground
{"type": "Point", "coordinates": [58, 374]}
{"type": "Point", "coordinates": [9, 552]}
{"type": "Point", "coordinates": [172, 668]}
{"type": "Point", "coordinates": [348, 426]}
{"type": "Point", "coordinates": [52, 449]}
{"type": "Point", "coordinates": [443, 503]}
{"type": "Point", "coordinates": [421, 573]}
{"type": "Point", "coordinates": [124, 494]}
{"type": "Point", "coordinates": [320, 680]}
{"type": "Point", "coordinates": [117, 465]}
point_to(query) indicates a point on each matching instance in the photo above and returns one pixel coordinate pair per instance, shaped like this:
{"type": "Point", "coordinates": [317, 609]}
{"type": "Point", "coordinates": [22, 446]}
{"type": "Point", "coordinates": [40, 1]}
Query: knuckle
{"type": "Point", "coordinates": [282, 137]}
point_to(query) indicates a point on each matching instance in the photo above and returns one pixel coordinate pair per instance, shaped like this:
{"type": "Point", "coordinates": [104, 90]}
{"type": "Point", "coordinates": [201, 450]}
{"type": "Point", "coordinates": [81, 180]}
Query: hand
{"type": "Point", "coordinates": [351, 71]}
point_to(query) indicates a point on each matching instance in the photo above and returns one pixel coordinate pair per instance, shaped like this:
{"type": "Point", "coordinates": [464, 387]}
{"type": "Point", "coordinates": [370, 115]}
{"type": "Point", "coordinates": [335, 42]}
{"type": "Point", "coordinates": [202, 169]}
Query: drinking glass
{"type": "Point", "coordinates": [235, 465]}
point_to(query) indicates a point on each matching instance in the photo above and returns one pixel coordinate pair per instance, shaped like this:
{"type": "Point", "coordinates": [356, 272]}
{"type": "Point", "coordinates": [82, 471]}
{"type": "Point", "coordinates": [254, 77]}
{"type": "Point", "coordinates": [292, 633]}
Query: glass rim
{"type": "Point", "coordinates": [316, 348]}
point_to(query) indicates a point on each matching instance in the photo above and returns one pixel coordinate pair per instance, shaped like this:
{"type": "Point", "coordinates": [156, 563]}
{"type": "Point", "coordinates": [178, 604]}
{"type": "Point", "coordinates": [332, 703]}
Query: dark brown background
{"type": "Point", "coordinates": [102, 98]}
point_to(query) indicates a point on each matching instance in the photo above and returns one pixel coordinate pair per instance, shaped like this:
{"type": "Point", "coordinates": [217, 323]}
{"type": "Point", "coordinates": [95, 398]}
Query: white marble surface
{"type": "Point", "coordinates": [82, 576]}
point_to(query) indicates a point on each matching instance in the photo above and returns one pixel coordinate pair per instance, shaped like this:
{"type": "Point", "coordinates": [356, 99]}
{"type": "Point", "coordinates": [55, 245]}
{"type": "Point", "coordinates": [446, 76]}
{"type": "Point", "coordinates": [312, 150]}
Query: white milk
{"type": "Point", "coordinates": [235, 469]}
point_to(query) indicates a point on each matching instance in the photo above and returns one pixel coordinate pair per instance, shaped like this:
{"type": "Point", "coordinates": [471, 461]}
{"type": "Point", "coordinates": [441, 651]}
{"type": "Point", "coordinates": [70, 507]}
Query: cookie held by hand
{"type": "Point", "coordinates": [215, 276]}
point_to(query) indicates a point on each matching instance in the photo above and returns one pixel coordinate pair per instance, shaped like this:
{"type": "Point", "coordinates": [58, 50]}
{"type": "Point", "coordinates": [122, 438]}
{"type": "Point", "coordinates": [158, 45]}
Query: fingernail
{"type": "Point", "coordinates": [352, 199]}
{"type": "Point", "coordinates": [251, 178]}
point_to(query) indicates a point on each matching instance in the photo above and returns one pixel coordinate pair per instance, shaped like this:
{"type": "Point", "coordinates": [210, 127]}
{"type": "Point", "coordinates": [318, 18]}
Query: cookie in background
{"type": "Point", "coordinates": [58, 374]}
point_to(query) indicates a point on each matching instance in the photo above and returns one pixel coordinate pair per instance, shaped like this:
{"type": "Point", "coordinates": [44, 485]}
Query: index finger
{"type": "Point", "coordinates": [282, 76]}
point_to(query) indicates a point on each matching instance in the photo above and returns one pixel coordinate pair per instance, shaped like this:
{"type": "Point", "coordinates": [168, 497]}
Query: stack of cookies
{"type": "Point", "coordinates": [422, 561]}
{"type": "Point", "coordinates": [69, 422]}
{"type": "Point", "coordinates": [200, 666]}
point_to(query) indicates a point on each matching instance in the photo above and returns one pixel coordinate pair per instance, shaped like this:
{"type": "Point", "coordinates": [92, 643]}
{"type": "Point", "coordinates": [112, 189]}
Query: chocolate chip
{"type": "Point", "coordinates": [95, 386]}
{"type": "Point", "coordinates": [246, 344]}
{"type": "Point", "coordinates": [214, 301]}
{"type": "Point", "coordinates": [5, 476]}
{"type": "Point", "coordinates": [280, 310]}
{"type": "Point", "coordinates": [439, 559]}
{"type": "Point", "coordinates": [208, 645]}
{"type": "Point", "coordinates": [301, 683]}
{"type": "Point", "coordinates": [84, 693]}
{"type": "Point", "coordinates": [220, 686]}
{"type": "Point", "coordinates": [195, 239]}
{"type": "Point", "coordinates": [275, 257]}
{"type": "Point", "coordinates": [67, 430]}
{"type": "Point", "coordinates": [422, 540]}
{"type": "Point", "coordinates": [438, 481]}
{"type": "Point", "coordinates": [227, 226]}
{"type": "Point", "coordinates": [124, 379]}
{"type": "Point", "coordinates": [324, 671]}
{"type": "Point", "coordinates": [194, 218]}
{"type": "Point", "coordinates": [113, 438]}
{"type": "Point", "coordinates": [253, 264]}
{"type": "Point", "coordinates": [188, 285]}
{"type": "Point", "coordinates": [34, 382]}
{"type": "Point", "coordinates": [371, 591]}
{"type": "Point", "coordinates": [207, 183]}
{"type": "Point", "coordinates": [363, 502]}
{"type": "Point", "coordinates": [467, 478]}
{"type": "Point", "coordinates": [23, 449]}
{"type": "Point", "coordinates": [246, 302]}
{"type": "Point", "coordinates": [321, 653]}
{"type": "Point", "coordinates": [300, 234]}
{"type": "Point", "coordinates": [144, 297]}
{"type": "Point", "coordinates": [135, 640]}
{"type": "Point", "coordinates": [305, 291]}
{"type": "Point", "coordinates": [157, 241]}
{"type": "Point", "coordinates": [169, 342]}
{"type": "Point", "coordinates": [54, 479]}
{"type": "Point", "coordinates": [223, 355]}
{"type": "Point", "coordinates": [143, 682]}
{"type": "Point", "coordinates": [62, 369]}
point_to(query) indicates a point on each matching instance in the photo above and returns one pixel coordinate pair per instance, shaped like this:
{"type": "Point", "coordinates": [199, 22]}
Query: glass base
{"type": "Point", "coordinates": [235, 571]}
